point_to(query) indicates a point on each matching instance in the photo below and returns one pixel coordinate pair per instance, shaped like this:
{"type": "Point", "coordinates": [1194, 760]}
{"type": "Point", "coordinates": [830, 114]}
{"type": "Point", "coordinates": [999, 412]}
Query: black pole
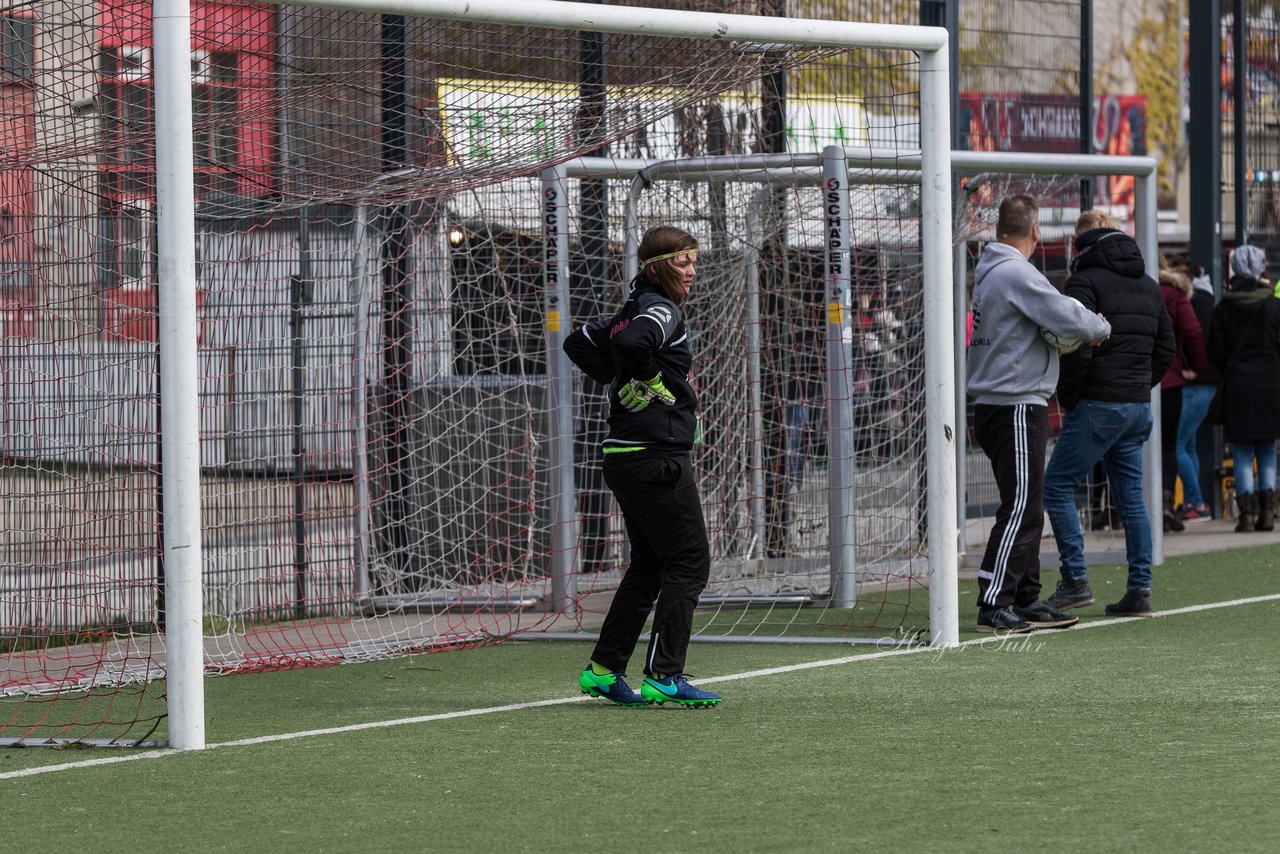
{"type": "Point", "coordinates": [160, 588]}
{"type": "Point", "coordinates": [1239, 125]}
{"type": "Point", "coordinates": [160, 576]}
{"type": "Point", "coordinates": [1086, 97]}
{"type": "Point", "coordinates": [299, 294]}
{"type": "Point", "coordinates": [782, 388]}
{"type": "Point", "coordinates": [589, 432]}
{"type": "Point", "coordinates": [946, 13]}
{"type": "Point", "coordinates": [1204, 138]}
{"type": "Point", "coordinates": [942, 13]}
{"type": "Point", "coordinates": [717, 145]}
{"type": "Point", "coordinates": [394, 422]}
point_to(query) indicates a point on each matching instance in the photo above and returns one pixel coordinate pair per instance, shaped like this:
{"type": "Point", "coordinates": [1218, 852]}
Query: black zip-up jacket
{"type": "Point", "coordinates": [1109, 276]}
{"type": "Point", "coordinates": [646, 336]}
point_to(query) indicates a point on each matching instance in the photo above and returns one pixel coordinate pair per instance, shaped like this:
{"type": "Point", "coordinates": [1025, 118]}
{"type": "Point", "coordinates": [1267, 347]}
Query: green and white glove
{"type": "Point", "coordinates": [638, 394]}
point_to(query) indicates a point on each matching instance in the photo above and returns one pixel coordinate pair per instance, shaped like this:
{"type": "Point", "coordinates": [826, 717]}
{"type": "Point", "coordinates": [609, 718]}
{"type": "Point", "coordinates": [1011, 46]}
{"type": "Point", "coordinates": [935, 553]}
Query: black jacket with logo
{"type": "Point", "coordinates": [1109, 276]}
{"type": "Point", "coordinates": [645, 336]}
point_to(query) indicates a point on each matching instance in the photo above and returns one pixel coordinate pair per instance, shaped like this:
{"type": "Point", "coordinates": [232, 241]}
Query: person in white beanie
{"type": "Point", "coordinates": [1244, 345]}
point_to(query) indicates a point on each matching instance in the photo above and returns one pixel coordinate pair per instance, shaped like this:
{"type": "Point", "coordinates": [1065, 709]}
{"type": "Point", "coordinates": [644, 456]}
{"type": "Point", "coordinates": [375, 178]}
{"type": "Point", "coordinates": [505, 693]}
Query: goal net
{"type": "Point", "coordinates": [373, 339]}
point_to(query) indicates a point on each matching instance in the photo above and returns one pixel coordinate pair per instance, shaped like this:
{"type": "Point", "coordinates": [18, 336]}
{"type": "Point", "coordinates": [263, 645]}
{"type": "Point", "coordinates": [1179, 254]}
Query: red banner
{"type": "Point", "coordinates": [1018, 121]}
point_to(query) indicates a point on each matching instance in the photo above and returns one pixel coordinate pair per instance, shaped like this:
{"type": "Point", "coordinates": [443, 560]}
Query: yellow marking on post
{"type": "Point", "coordinates": [835, 313]}
{"type": "Point", "coordinates": [553, 321]}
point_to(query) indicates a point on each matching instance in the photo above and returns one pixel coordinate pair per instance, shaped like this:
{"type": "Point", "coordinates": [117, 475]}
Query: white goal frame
{"type": "Point", "coordinates": [175, 196]}
{"type": "Point", "coordinates": [850, 167]}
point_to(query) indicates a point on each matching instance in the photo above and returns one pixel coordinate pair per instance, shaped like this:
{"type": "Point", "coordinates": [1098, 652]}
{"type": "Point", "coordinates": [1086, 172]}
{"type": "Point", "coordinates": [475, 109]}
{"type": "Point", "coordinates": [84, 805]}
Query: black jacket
{"type": "Point", "coordinates": [1109, 276]}
{"type": "Point", "coordinates": [645, 336]}
{"type": "Point", "coordinates": [1244, 345]}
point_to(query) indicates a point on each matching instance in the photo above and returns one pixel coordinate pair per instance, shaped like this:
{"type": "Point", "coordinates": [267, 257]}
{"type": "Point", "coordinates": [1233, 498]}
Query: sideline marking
{"type": "Point", "coordinates": [560, 701]}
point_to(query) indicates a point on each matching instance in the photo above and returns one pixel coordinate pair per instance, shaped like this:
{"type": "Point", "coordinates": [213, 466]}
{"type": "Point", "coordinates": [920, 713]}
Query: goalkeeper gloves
{"type": "Point", "coordinates": [638, 394]}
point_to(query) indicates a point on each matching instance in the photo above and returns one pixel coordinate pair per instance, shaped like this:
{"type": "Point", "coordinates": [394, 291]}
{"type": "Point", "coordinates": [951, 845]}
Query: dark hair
{"type": "Point", "coordinates": [1018, 215]}
{"type": "Point", "coordinates": [669, 241]}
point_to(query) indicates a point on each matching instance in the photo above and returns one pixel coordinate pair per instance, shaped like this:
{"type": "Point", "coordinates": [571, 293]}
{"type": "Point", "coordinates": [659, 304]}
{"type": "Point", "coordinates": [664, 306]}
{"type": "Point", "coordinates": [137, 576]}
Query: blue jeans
{"type": "Point", "coordinates": [1195, 406]}
{"type": "Point", "coordinates": [1242, 456]}
{"type": "Point", "coordinates": [1114, 432]}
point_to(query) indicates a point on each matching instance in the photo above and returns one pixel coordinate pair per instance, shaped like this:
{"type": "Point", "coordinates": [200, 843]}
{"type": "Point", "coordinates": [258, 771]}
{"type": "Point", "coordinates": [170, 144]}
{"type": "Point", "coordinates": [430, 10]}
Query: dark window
{"type": "Point", "coordinates": [17, 47]}
{"type": "Point", "coordinates": [213, 92]}
{"type": "Point", "coordinates": [125, 95]}
{"type": "Point", "coordinates": [125, 88]}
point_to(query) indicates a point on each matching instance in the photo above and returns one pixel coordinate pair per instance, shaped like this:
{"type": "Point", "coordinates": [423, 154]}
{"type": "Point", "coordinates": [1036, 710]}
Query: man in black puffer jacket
{"type": "Point", "coordinates": [1106, 391]}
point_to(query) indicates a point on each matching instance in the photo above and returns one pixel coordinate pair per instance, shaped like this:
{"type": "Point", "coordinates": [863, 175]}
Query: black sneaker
{"type": "Point", "coordinates": [1070, 594]}
{"type": "Point", "coordinates": [1101, 520]}
{"type": "Point", "coordinates": [1042, 615]}
{"type": "Point", "coordinates": [1135, 603]}
{"type": "Point", "coordinates": [1002, 621]}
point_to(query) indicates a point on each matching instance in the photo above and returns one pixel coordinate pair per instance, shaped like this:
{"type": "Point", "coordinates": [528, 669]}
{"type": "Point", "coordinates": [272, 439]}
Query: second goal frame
{"type": "Point", "coordinates": [833, 168]}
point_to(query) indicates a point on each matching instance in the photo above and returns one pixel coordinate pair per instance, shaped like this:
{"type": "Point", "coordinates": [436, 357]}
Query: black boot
{"type": "Point", "coordinates": [1245, 509]}
{"type": "Point", "coordinates": [1171, 520]}
{"type": "Point", "coordinates": [1266, 510]}
{"type": "Point", "coordinates": [1103, 519]}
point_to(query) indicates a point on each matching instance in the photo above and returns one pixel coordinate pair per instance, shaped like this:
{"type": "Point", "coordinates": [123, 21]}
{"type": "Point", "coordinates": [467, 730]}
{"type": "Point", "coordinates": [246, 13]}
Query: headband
{"type": "Point", "coordinates": [648, 261]}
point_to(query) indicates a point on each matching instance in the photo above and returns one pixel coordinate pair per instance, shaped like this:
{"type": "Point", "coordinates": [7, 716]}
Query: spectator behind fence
{"type": "Point", "coordinates": [1197, 399]}
{"type": "Point", "coordinates": [1189, 361]}
{"type": "Point", "coordinates": [1106, 391]}
{"type": "Point", "coordinates": [1244, 345]}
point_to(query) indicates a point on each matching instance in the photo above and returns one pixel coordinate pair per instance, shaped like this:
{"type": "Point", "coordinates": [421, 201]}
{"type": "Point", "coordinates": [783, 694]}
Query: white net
{"type": "Point", "coordinates": [372, 354]}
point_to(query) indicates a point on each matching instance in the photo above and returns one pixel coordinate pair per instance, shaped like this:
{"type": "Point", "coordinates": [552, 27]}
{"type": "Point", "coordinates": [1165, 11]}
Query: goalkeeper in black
{"type": "Point", "coordinates": [642, 354]}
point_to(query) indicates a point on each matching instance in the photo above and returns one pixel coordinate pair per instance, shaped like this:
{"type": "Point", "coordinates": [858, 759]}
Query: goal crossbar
{"type": "Point", "coordinates": [763, 30]}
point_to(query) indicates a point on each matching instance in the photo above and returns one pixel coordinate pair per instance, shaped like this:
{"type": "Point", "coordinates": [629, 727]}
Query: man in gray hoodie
{"type": "Point", "coordinates": [1012, 372]}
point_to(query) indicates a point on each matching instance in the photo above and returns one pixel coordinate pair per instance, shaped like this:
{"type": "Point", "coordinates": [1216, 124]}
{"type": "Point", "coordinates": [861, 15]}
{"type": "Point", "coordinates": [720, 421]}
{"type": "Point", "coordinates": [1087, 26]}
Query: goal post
{"type": "Point", "coordinates": [179, 382]}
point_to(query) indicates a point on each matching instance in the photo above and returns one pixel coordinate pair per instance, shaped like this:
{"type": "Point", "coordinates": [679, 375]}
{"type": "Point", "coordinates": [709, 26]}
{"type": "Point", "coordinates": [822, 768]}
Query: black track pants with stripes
{"type": "Point", "coordinates": [1013, 438]}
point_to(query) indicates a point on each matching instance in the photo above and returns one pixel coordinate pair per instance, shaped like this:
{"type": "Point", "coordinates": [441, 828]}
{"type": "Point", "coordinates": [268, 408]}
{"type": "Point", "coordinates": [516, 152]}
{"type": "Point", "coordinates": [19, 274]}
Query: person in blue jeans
{"type": "Point", "coordinates": [1197, 398]}
{"type": "Point", "coordinates": [1106, 392]}
{"type": "Point", "coordinates": [1244, 345]}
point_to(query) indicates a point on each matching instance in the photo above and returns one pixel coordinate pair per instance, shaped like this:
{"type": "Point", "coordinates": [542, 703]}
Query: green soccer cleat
{"type": "Point", "coordinates": [676, 689]}
{"type": "Point", "coordinates": [612, 686]}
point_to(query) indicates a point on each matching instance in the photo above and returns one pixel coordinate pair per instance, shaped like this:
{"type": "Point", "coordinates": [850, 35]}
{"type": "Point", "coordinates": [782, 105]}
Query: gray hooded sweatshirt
{"type": "Point", "coordinates": [1009, 361]}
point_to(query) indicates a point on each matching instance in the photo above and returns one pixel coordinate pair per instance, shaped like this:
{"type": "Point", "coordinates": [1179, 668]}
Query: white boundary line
{"type": "Point", "coordinates": [560, 701]}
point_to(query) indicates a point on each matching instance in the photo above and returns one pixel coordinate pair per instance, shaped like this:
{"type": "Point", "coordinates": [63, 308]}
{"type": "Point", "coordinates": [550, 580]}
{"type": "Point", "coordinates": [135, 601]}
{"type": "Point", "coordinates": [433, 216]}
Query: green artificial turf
{"type": "Point", "coordinates": [1143, 735]}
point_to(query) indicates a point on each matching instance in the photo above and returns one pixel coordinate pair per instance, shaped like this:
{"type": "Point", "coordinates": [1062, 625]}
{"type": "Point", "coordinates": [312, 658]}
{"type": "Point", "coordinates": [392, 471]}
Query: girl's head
{"type": "Point", "coordinates": [1177, 279]}
{"type": "Point", "coordinates": [1091, 219]}
{"type": "Point", "coordinates": [668, 258]}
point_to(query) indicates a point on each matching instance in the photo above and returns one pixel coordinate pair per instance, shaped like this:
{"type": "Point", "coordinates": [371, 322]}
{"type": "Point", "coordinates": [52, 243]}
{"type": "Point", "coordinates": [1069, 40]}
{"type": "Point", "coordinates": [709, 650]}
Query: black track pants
{"type": "Point", "coordinates": [1013, 438]}
{"type": "Point", "coordinates": [670, 560]}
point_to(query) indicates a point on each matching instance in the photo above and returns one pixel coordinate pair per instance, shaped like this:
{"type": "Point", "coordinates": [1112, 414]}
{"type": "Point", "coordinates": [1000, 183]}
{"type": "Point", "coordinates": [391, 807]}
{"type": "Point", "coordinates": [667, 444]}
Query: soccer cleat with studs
{"type": "Point", "coordinates": [612, 686]}
{"type": "Point", "coordinates": [676, 689]}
